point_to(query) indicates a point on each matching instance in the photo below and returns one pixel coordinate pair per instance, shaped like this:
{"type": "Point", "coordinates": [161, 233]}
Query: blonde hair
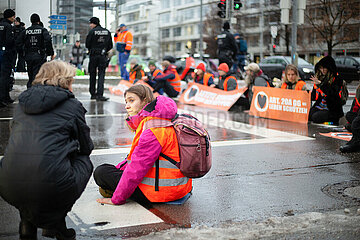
{"type": "Point", "coordinates": [165, 63]}
{"type": "Point", "coordinates": [56, 73]}
{"type": "Point", "coordinates": [291, 67]}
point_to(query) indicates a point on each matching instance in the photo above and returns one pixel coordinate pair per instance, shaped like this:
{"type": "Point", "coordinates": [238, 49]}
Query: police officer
{"type": "Point", "coordinates": [98, 42]}
{"type": "Point", "coordinates": [37, 43]}
{"type": "Point", "coordinates": [18, 28]}
{"type": "Point", "coordinates": [227, 48]}
{"type": "Point", "coordinates": [7, 56]}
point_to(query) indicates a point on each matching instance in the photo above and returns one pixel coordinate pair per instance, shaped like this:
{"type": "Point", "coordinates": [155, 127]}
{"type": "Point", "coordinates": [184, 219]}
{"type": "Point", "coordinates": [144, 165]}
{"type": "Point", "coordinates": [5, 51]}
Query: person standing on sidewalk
{"type": "Point", "coordinates": [18, 28]}
{"type": "Point", "coordinates": [7, 56]}
{"type": "Point", "coordinates": [37, 43]}
{"type": "Point", "coordinates": [99, 43]}
{"type": "Point", "coordinates": [124, 40]}
{"type": "Point", "coordinates": [77, 54]}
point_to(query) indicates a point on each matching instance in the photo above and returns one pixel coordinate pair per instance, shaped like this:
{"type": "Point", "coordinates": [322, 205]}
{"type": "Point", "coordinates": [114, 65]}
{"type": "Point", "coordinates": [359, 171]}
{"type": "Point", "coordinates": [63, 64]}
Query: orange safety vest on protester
{"type": "Point", "coordinates": [172, 184]}
{"type": "Point", "coordinates": [125, 37]}
{"type": "Point", "coordinates": [206, 78]}
{"type": "Point", "coordinates": [156, 72]}
{"type": "Point", "coordinates": [132, 75]}
{"type": "Point", "coordinates": [226, 81]}
{"type": "Point", "coordinates": [176, 82]}
{"type": "Point", "coordinates": [299, 85]}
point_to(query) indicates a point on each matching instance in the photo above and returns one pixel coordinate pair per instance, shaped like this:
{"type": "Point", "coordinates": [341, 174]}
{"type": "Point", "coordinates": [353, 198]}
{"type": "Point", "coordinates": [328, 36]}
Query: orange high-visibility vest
{"type": "Point", "coordinates": [299, 85]}
{"type": "Point", "coordinates": [226, 81]}
{"type": "Point", "coordinates": [206, 78]}
{"type": "Point", "coordinates": [132, 75]}
{"type": "Point", "coordinates": [172, 184]}
{"type": "Point", "coordinates": [126, 38]}
{"type": "Point", "coordinates": [156, 72]}
{"type": "Point", "coordinates": [176, 82]}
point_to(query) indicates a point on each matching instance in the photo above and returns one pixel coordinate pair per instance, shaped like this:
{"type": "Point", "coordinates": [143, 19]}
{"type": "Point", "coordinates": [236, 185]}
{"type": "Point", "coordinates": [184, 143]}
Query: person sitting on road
{"type": "Point", "coordinates": [291, 80]}
{"type": "Point", "coordinates": [170, 80]}
{"type": "Point", "coordinates": [325, 93]}
{"type": "Point", "coordinates": [46, 165]}
{"type": "Point", "coordinates": [353, 125]}
{"type": "Point", "coordinates": [227, 82]}
{"type": "Point", "coordinates": [203, 77]}
{"type": "Point", "coordinates": [154, 72]}
{"type": "Point", "coordinates": [136, 73]}
{"type": "Point", "coordinates": [135, 177]}
{"type": "Point", "coordinates": [255, 77]}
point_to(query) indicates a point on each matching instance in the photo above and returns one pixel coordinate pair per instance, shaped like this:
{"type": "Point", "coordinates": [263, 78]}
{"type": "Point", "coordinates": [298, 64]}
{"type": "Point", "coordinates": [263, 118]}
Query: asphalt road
{"type": "Point", "coordinates": [269, 180]}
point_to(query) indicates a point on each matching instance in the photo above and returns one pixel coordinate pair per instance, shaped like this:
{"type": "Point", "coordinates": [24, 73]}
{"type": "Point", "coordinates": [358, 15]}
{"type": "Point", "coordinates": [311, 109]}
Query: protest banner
{"type": "Point", "coordinates": [280, 104]}
{"type": "Point", "coordinates": [338, 135]}
{"type": "Point", "coordinates": [201, 95]}
{"type": "Point", "coordinates": [123, 85]}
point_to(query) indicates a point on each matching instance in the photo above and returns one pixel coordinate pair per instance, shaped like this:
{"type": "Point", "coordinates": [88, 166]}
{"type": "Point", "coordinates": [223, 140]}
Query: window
{"type": "Point", "coordinates": [178, 46]}
{"type": "Point", "coordinates": [165, 17]}
{"type": "Point", "coordinates": [188, 1]}
{"type": "Point", "coordinates": [165, 4]}
{"type": "Point", "coordinates": [165, 33]}
{"type": "Point", "coordinates": [189, 30]}
{"type": "Point", "coordinates": [349, 62]}
{"type": "Point", "coordinates": [177, 32]}
{"type": "Point", "coordinates": [133, 17]}
{"type": "Point", "coordinates": [136, 40]}
{"type": "Point", "coordinates": [177, 3]}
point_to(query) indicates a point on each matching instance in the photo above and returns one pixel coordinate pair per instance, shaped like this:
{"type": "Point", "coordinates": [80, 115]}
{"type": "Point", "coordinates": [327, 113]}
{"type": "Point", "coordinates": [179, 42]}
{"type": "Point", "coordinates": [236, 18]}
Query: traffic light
{"type": "Point", "coordinates": [222, 7]}
{"type": "Point", "coordinates": [274, 47]}
{"type": "Point", "coordinates": [237, 5]}
{"type": "Point", "coordinates": [64, 39]}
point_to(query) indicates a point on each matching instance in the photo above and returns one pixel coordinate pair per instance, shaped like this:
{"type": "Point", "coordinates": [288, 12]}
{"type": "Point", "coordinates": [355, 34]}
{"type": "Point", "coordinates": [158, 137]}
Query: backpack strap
{"type": "Point", "coordinates": [157, 170]}
{"type": "Point", "coordinates": [169, 158]}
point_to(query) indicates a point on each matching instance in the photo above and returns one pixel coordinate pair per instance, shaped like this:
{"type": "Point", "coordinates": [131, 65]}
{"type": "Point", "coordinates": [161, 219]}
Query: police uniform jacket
{"type": "Point", "coordinates": [36, 41]}
{"type": "Point", "coordinates": [99, 41]}
{"type": "Point", "coordinates": [7, 40]}
{"type": "Point", "coordinates": [226, 43]}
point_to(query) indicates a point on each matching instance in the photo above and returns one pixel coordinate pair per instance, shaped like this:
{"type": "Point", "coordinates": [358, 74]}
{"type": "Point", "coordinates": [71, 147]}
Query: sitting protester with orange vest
{"type": "Point", "coordinates": [136, 72]}
{"type": "Point", "coordinates": [227, 82]}
{"type": "Point", "coordinates": [203, 77]}
{"type": "Point", "coordinates": [291, 80]}
{"type": "Point", "coordinates": [154, 72]}
{"type": "Point", "coordinates": [169, 80]}
{"type": "Point", "coordinates": [326, 93]}
{"type": "Point", "coordinates": [140, 176]}
{"type": "Point", "coordinates": [255, 77]}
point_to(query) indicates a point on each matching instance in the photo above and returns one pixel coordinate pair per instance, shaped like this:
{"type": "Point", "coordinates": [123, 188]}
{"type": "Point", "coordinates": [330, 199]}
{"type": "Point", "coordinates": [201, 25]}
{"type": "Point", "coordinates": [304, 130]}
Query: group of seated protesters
{"type": "Point", "coordinates": [326, 91]}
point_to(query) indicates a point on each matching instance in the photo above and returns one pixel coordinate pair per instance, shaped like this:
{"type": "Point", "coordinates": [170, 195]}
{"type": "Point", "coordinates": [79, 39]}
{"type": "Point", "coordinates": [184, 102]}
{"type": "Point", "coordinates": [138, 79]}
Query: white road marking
{"type": "Point", "coordinates": [89, 214]}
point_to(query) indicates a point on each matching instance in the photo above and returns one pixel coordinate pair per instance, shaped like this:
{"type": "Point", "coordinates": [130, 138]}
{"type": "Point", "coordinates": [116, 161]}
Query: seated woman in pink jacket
{"type": "Point", "coordinates": [144, 175]}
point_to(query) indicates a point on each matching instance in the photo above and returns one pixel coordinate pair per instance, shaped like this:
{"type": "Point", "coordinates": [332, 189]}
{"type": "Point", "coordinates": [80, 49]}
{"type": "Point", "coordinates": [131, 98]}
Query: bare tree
{"type": "Point", "coordinates": [212, 27]}
{"type": "Point", "coordinates": [333, 20]}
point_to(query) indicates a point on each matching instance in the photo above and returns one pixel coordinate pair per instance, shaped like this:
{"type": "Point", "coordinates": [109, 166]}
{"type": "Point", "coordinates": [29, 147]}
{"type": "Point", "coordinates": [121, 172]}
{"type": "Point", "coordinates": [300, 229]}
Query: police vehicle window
{"type": "Point", "coordinates": [339, 60]}
{"type": "Point", "coordinates": [281, 61]}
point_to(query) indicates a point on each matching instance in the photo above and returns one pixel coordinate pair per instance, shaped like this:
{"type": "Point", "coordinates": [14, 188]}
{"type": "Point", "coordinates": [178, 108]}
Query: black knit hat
{"type": "Point", "coordinates": [327, 62]}
{"type": "Point", "coordinates": [18, 19]}
{"type": "Point", "coordinates": [8, 13]}
{"type": "Point", "coordinates": [34, 18]}
{"type": "Point", "coordinates": [95, 20]}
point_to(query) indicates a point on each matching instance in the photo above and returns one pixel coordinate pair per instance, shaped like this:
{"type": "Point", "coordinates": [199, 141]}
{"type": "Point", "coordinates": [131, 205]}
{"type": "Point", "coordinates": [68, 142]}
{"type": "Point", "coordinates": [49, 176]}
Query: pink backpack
{"type": "Point", "coordinates": [194, 144]}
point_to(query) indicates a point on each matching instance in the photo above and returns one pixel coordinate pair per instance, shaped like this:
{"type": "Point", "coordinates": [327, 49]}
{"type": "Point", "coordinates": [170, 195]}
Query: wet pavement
{"type": "Point", "coordinates": [270, 180]}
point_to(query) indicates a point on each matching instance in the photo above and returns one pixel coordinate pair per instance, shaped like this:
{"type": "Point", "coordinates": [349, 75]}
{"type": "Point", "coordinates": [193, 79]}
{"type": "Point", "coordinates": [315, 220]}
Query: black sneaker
{"type": "Point", "coordinates": [93, 97]}
{"type": "Point", "coordinates": [27, 230]}
{"type": "Point", "coordinates": [102, 99]}
{"type": "Point", "coordinates": [351, 146]}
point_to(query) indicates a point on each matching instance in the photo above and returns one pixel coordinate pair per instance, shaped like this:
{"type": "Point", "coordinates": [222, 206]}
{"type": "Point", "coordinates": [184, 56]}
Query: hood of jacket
{"type": "Point", "coordinates": [161, 107]}
{"type": "Point", "coordinates": [43, 98]}
{"type": "Point", "coordinates": [327, 62]}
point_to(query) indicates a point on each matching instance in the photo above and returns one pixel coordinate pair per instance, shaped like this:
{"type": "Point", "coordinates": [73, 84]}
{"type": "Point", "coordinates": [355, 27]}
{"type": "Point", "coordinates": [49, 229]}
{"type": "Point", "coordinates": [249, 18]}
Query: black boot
{"type": "Point", "coordinates": [352, 146]}
{"type": "Point", "coordinates": [61, 232]}
{"type": "Point", "coordinates": [27, 230]}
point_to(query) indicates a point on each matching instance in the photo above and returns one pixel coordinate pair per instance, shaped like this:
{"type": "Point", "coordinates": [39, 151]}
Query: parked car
{"type": "Point", "coordinates": [348, 67]}
{"type": "Point", "coordinates": [274, 66]}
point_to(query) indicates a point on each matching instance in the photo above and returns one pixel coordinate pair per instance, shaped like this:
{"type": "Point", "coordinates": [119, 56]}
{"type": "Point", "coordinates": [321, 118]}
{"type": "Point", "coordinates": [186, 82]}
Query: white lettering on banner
{"type": "Point", "coordinates": [211, 98]}
{"type": "Point", "coordinates": [285, 108]}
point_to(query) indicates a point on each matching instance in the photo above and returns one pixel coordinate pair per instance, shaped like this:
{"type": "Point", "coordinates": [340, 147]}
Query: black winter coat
{"type": "Point", "coordinates": [331, 91]}
{"type": "Point", "coordinates": [46, 164]}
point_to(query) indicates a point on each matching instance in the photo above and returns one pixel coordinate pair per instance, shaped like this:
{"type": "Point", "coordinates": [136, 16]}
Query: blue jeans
{"type": "Point", "coordinates": [123, 58]}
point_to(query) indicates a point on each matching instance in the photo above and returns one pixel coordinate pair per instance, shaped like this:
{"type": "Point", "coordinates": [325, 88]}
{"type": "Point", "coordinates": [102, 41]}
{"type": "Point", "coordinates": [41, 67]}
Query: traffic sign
{"type": "Point", "coordinates": [58, 22]}
{"type": "Point", "coordinates": [58, 26]}
{"type": "Point", "coordinates": [58, 17]}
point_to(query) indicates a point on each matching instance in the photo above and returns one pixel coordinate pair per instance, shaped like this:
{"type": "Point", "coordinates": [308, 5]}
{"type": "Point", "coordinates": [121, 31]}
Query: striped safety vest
{"type": "Point", "coordinates": [206, 78]}
{"type": "Point", "coordinates": [156, 72]}
{"type": "Point", "coordinates": [171, 184]}
{"type": "Point", "coordinates": [132, 75]}
{"type": "Point", "coordinates": [176, 82]}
